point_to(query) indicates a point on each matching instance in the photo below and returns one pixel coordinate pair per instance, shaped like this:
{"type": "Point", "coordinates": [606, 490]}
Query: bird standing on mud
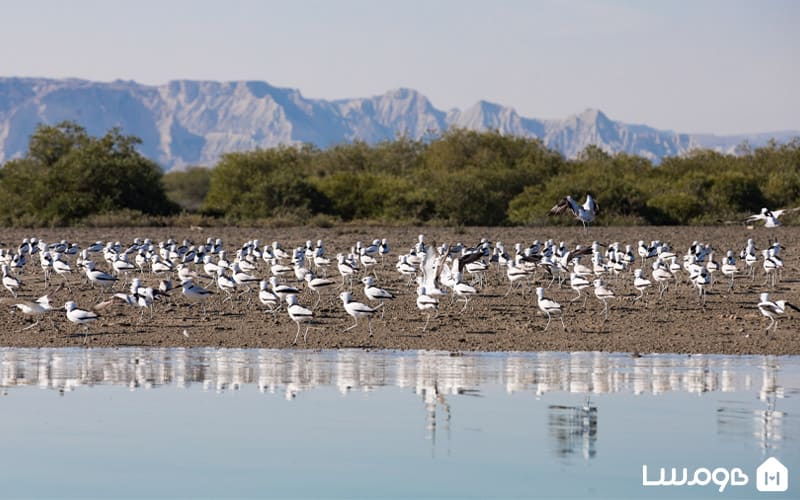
{"type": "Point", "coordinates": [772, 309]}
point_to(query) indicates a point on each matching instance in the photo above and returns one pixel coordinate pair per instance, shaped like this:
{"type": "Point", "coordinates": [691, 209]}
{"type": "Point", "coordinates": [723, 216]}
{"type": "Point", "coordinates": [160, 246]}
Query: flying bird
{"type": "Point", "coordinates": [584, 213]}
{"type": "Point", "coordinates": [770, 217]}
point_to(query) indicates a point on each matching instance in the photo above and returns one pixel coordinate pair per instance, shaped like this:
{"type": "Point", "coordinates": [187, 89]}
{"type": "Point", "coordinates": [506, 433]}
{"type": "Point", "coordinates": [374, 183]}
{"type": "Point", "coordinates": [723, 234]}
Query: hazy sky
{"type": "Point", "coordinates": [690, 66]}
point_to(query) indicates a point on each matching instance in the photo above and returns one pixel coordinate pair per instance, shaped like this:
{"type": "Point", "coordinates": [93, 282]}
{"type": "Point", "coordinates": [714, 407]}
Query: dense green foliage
{"type": "Point", "coordinates": [67, 176]}
{"type": "Point", "coordinates": [462, 177]}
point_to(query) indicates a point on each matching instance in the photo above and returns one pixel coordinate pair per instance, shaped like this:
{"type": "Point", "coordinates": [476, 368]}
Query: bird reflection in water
{"type": "Point", "coordinates": [435, 399]}
{"type": "Point", "coordinates": [764, 423]}
{"type": "Point", "coordinates": [574, 428]}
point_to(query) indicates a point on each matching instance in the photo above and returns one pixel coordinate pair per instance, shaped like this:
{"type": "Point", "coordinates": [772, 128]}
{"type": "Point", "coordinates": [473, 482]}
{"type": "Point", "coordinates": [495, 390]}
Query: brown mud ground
{"type": "Point", "coordinates": [729, 323]}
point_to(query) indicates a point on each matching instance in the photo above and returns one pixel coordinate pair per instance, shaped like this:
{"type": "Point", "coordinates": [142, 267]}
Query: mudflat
{"type": "Point", "coordinates": [494, 320]}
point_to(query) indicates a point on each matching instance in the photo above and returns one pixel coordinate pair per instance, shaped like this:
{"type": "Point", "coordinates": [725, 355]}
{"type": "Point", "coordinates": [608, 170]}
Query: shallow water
{"type": "Point", "coordinates": [232, 423]}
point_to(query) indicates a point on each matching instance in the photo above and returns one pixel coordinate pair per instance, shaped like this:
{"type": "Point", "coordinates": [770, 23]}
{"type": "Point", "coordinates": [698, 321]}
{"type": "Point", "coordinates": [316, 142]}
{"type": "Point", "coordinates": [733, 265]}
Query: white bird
{"type": "Point", "coordinates": [375, 293]}
{"type": "Point", "coordinates": [549, 307]}
{"type": "Point", "coordinates": [11, 283]}
{"type": "Point", "coordinates": [225, 283]}
{"type": "Point", "coordinates": [298, 314]}
{"type": "Point", "coordinates": [242, 278]}
{"type": "Point", "coordinates": [97, 277]}
{"type": "Point", "coordinates": [33, 309]}
{"type": "Point", "coordinates": [358, 310]}
{"type": "Point", "coordinates": [729, 268]}
{"type": "Point", "coordinates": [61, 267]}
{"type": "Point", "coordinates": [427, 304]}
{"type": "Point", "coordinates": [405, 268]}
{"type": "Point", "coordinates": [267, 297]}
{"type": "Point", "coordinates": [282, 291]}
{"type": "Point", "coordinates": [345, 268]}
{"type": "Point", "coordinates": [770, 267]}
{"type": "Point", "coordinates": [515, 274]}
{"type": "Point", "coordinates": [195, 293]}
{"type": "Point", "coordinates": [584, 213]}
{"type": "Point", "coordinates": [463, 290]}
{"type": "Point", "coordinates": [316, 285]}
{"type": "Point", "coordinates": [772, 309]}
{"type": "Point", "coordinates": [578, 283]}
{"type": "Point", "coordinates": [604, 294]}
{"type": "Point", "coordinates": [80, 317]}
{"type": "Point", "coordinates": [770, 217]}
{"type": "Point", "coordinates": [701, 279]}
{"type": "Point", "coordinates": [662, 275]}
{"type": "Point", "coordinates": [640, 283]}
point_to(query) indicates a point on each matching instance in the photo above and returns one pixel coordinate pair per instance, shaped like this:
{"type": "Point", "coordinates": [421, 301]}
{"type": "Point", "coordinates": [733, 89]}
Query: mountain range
{"type": "Point", "coordinates": [185, 122]}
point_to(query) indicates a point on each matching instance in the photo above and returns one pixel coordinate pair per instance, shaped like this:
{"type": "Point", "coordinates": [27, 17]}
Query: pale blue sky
{"type": "Point", "coordinates": [690, 66]}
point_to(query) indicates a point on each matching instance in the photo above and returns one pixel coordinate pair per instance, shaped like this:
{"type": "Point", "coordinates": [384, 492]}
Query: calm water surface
{"type": "Point", "coordinates": [234, 423]}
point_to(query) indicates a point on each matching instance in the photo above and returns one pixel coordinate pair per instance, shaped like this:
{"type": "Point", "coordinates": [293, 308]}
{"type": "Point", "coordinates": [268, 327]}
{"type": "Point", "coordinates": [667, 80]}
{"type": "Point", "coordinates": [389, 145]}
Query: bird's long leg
{"type": "Point", "coordinates": [427, 319]}
{"type": "Point", "coordinates": [305, 335]}
{"type": "Point", "coordinates": [576, 297]}
{"type": "Point", "coordinates": [771, 322]}
{"type": "Point", "coordinates": [547, 325]}
{"type": "Point", "coordinates": [297, 335]}
{"type": "Point", "coordinates": [351, 327]}
{"type": "Point", "coordinates": [369, 325]}
{"type": "Point", "coordinates": [564, 326]}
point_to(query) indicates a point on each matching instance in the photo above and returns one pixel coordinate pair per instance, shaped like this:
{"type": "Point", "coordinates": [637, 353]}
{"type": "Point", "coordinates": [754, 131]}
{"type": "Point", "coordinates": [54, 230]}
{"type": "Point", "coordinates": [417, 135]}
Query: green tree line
{"type": "Point", "coordinates": [462, 177]}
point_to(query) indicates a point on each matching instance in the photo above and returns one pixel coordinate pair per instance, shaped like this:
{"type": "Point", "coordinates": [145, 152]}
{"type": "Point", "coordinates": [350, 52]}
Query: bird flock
{"type": "Point", "coordinates": [303, 282]}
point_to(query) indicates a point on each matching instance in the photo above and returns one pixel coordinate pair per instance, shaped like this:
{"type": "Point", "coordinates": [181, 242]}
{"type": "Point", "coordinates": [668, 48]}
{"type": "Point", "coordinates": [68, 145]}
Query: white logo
{"type": "Point", "coordinates": [720, 476]}
{"type": "Point", "coordinates": [772, 475]}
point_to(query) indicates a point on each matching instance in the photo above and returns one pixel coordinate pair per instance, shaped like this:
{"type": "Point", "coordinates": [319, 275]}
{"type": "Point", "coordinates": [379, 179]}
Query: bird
{"type": "Point", "coordinates": [317, 284]}
{"type": "Point", "coordinates": [225, 283]}
{"type": "Point", "coordinates": [729, 268]}
{"type": "Point", "coordinates": [242, 278]}
{"type": "Point", "coordinates": [11, 283]}
{"type": "Point", "coordinates": [375, 293]}
{"type": "Point", "coordinates": [772, 309]}
{"type": "Point", "coordinates": [604, 294]}
{"type": "Point", "coordinates": [358, 310]}
{"type": "Point", "coordinates": [80, 317]}
{"type": "Point", "coordinates": [97, 277]}
{"type": "Point", "coordinates": [585, 213]}
{"type": "Point", "coordinates": [282, 291]}
{"type": "Point", "coordinates": [267, 297]}
{"type": "Point", "coordinates": [426, 303]}
{"type": "Point", "coordinates": [195, 293]}
{"type": "Point", "coordinates": [578, 283]}
{"type": "Point", "coordinates": [549, 307]}
{"type": "Point", "coordinates": [32, 308]}
{"type": "Point", "coordinates": [346, 270]}
{"type": "Point", "coordinates": [463, 290]}
{"type": "Point", "coordinates": [298, 314]}
{"type": "Point", "coordinates": [640, 283]}
{"type": "Point", "coordinates": [770, 217]}
{"type": "Point", "coordinates": [701, 279]}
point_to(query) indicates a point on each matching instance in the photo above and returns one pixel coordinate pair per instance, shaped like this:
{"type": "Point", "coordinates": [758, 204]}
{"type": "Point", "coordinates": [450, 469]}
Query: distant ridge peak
{"type": "Point", "coordinates": [193, 122]}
